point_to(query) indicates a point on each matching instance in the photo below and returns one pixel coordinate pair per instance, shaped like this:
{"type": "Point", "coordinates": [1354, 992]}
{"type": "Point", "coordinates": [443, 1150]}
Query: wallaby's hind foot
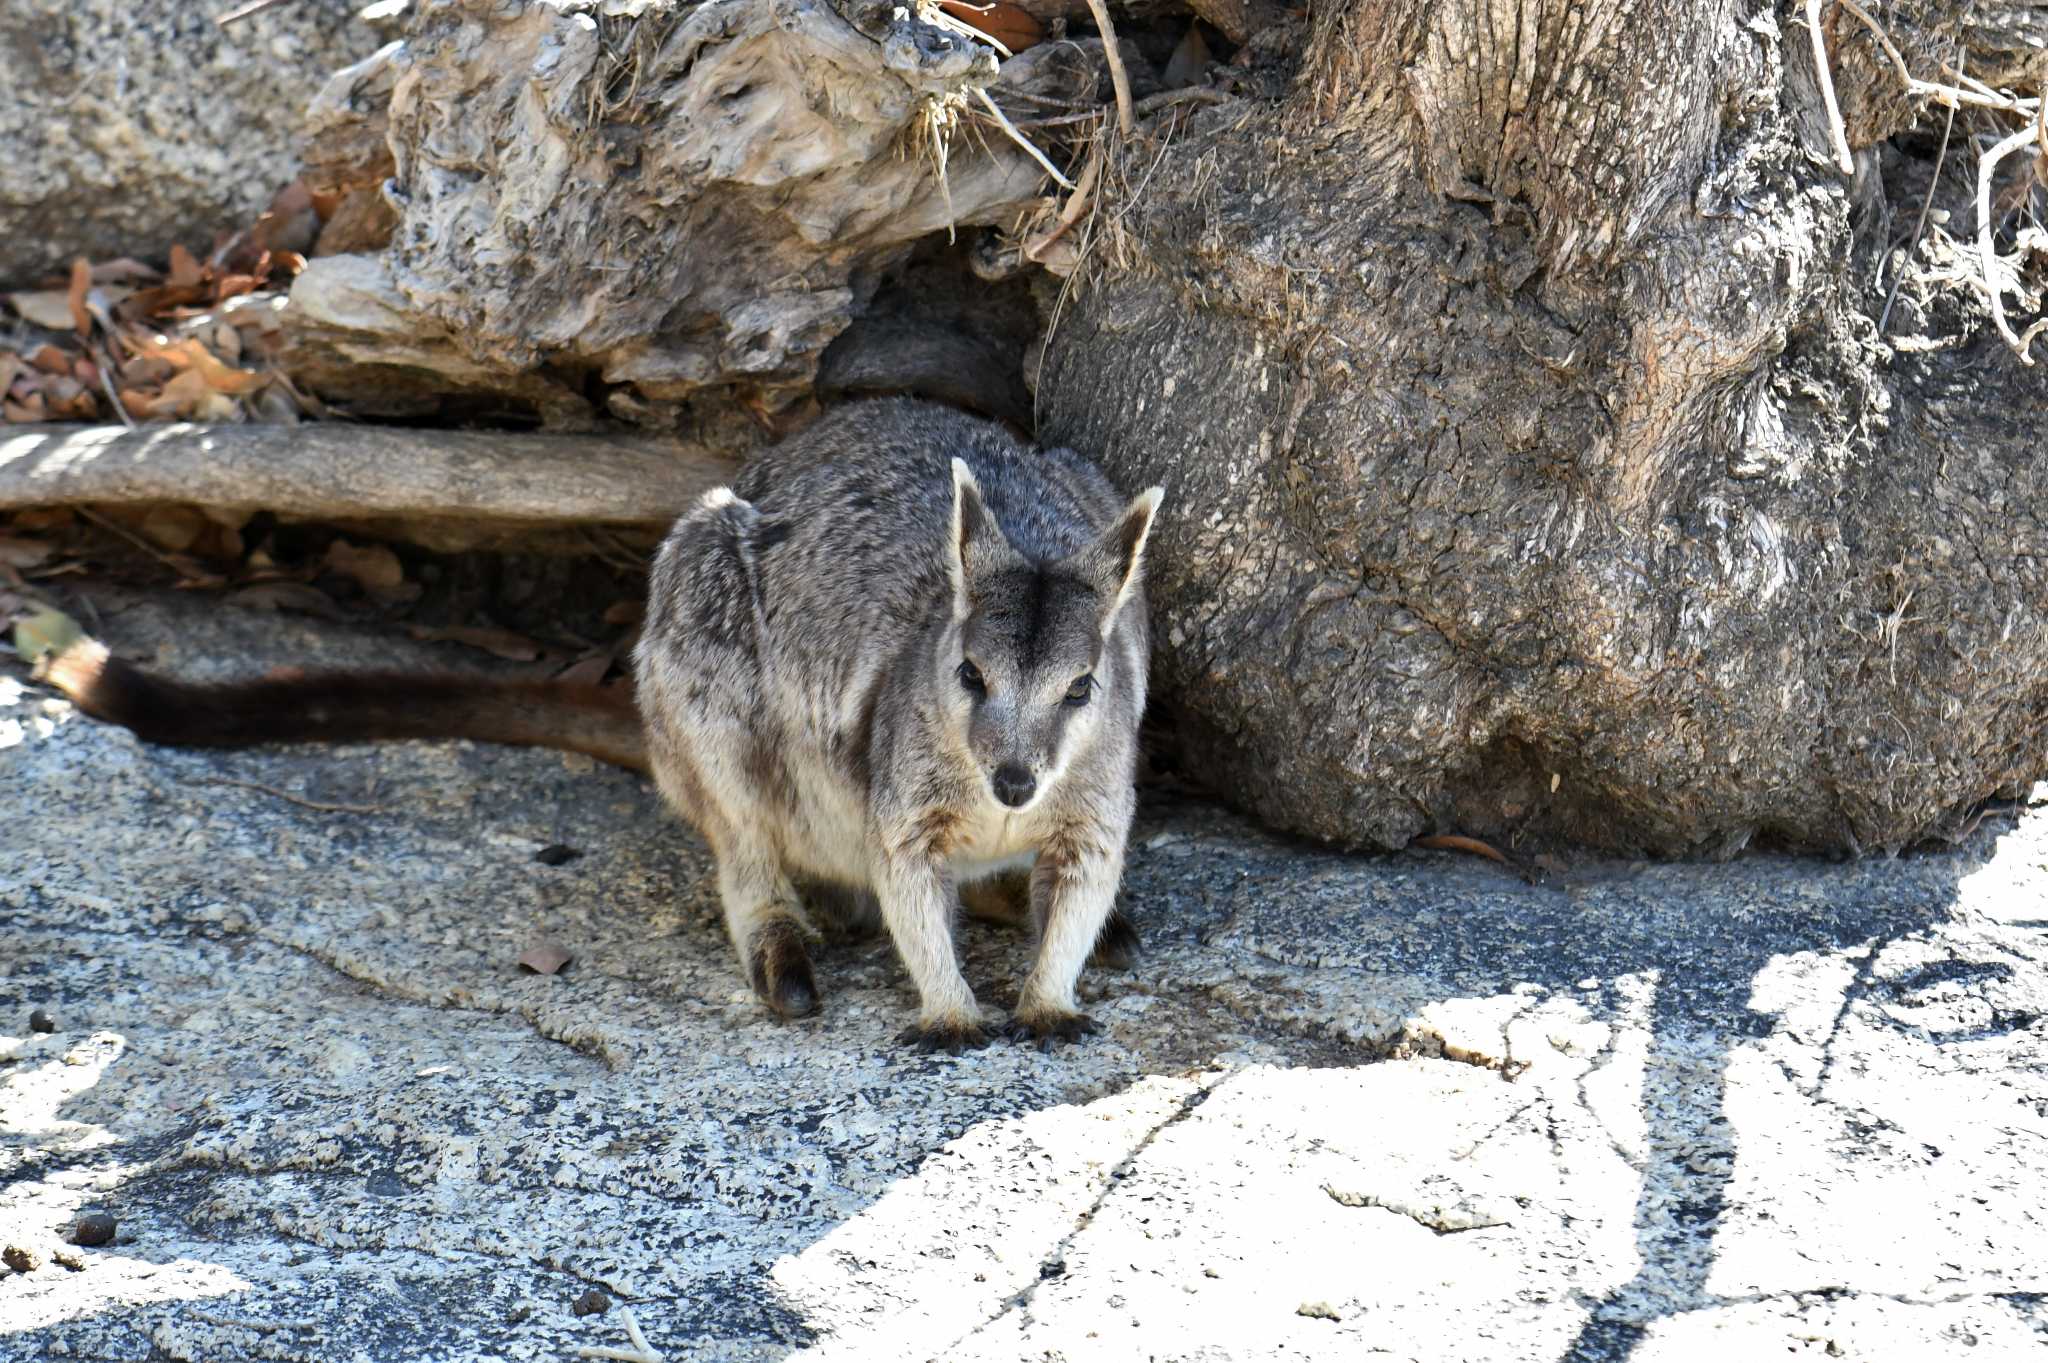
{"type": "Point", "coordinates": [780, 968]}
{"type": "Point", "coordinates": [1046, 1029]}
{"type": "Point", "coordinates": [953, 1036]}
{"type": "Point", "coordinates": [1117, 947]}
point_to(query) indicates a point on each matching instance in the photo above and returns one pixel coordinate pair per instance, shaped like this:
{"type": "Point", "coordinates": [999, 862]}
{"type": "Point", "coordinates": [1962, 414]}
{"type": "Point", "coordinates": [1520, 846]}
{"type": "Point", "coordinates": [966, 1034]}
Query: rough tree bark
{"type": "Point", "coordinates": [1559, 442]}
{"type": "Point", "coordinates": [1536, 463]}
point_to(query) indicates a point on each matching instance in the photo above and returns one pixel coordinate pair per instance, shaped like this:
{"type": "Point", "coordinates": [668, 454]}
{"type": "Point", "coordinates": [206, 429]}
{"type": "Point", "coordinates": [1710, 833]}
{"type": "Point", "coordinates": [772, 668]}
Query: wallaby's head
{"type": "Point", "coordinates": [1027, 675]}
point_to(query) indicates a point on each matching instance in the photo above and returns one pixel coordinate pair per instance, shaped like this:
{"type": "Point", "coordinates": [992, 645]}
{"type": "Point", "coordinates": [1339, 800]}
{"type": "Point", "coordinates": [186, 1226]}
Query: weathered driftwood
{"type": "Point", "coordinates": [449, 489]}
{"type": "Point", "coordinates": [620, 215]}
{"type": "Point", "coordinates": [1536, 462]}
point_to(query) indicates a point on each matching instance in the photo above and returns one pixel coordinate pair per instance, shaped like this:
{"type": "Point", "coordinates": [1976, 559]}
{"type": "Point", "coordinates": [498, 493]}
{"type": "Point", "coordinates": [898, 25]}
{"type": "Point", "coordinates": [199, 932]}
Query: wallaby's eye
{"type": "Point", "coordinates": [970, 677]}
{"type": "Point", "coordinates": [1077, 694]}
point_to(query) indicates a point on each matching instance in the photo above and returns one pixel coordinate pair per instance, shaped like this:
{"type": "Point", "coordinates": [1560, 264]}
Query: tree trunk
{"type": "Point", "coordinates": [1536, 462]}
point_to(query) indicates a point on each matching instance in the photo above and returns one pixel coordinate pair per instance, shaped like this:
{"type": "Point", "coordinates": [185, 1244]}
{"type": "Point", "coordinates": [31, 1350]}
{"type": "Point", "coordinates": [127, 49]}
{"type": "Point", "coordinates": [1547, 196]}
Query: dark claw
{"type": "Point", "coordinates": [1116, 947]}
{"type": "Point", "coordinates": [950, 1037]}
{"type": "Point", "coordinates": [1047, 1032]}
{"type": "Point", "coordinates": [782, 971]}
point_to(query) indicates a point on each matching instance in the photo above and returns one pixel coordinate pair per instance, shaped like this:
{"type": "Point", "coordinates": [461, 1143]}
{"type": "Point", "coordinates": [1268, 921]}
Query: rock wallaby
{"type": "Point", "coordinates": [902, 654]}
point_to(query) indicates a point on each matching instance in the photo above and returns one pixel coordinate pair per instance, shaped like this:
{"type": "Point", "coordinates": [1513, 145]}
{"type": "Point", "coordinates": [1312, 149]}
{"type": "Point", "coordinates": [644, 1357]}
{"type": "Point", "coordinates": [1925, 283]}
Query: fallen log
{"type": "Point", "coordinates": [446, 489]}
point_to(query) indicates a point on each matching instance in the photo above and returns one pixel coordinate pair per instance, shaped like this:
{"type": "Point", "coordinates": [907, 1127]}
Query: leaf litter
{"type": "Point", "coordinates": [199, 340]}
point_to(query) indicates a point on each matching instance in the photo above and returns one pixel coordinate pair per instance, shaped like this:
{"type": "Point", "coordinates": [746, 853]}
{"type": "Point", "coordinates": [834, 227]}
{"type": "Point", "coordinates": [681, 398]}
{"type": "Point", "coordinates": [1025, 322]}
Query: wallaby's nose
{"type": "Point", "coordinates": [1014, 785]}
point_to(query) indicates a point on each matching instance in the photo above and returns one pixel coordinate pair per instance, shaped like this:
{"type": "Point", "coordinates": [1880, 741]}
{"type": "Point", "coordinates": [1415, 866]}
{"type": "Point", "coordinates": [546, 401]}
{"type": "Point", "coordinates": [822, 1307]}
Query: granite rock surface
{"type": "Point", "coordinates": [1409, 1107]}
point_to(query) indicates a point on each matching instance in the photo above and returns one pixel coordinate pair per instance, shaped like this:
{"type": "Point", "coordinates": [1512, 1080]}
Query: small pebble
{"type": "Point", "coordinates": [556, 855]}
{"type": "Point", "coordinates": [1317, 1310]}
{"type": "Point", "coordinates": [591, 1303]}
{"type": "Point", "coordinates": [41, 1021]}
{"type": "Point", "coordinates": [70, 1258]}
{"type": "Point", "coordinates": [93, 1228]}
{"type": "Point", "coordinates": [21, 1258]}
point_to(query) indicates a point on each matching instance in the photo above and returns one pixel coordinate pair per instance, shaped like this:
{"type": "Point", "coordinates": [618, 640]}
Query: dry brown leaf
{"type": "Point", "coordinates": [126, 270]}
{"type": "Point", "coordinates": [1011, 25]}
{"type": "Point", "coordinates": [69, 400]}
{"type": "Point", "coordinates": [140, 370]}
{"type": "Point", "coordinates": [225, 378]}
{"type": "Point", "coordinates": [158, 301]}
{"type": "Point", "coordinates": [224, 541]}
{"type": "Point", "coordinates": [46, 308]}
{"type": "Point", "coordinates": [185, 271]}
{"type": "Point", "coordinates": [28, 409]}
{"type": "Point", "coordinates": [626, 612]}
{"type": "Point", "coordinates": [502, 643]}
{"type": "Point", "coordinates": [192, 356]}
{"type": "Point", "coordinates": [373, 567]}
{"type": "Point", "coordinates": [50, 359]}
{"type": "Point", "coordinates": [587, 671]}
{"type": "Point", "coordinates": [543, 958]}
{"type": "Point", "coordinates": [233, 285]}
{"type": "Point", "coordinates": [173, 529]}
{"type": "Point", "coordinates": [183, 396]}
{"type": "Point", "coordinates": [74, 298]}
{"type": "Point", "coordinates": [1456, 842]}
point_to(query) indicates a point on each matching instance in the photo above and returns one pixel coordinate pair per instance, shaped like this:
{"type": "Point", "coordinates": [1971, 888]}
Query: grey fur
{"type": "Point", "coordinates": [799, 681]}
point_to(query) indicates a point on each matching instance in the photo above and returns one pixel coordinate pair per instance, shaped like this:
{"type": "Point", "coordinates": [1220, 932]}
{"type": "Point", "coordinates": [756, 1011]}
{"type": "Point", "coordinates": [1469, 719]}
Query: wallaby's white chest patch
{"type": "Point", "coordinates": [997, 841]}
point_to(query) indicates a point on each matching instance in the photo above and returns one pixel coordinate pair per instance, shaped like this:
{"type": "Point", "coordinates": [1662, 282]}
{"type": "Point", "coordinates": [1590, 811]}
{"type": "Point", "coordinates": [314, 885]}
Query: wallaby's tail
{"type": "Point", "coordinates": [349, 707]}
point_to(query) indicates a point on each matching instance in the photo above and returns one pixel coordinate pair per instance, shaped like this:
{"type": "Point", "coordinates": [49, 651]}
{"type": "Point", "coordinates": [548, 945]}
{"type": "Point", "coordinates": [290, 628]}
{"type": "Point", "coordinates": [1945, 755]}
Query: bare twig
{"type": "Point", "coordinates": [244, 11]}
{"type": "Point", "coordinates": [1884, 39]}
{"type": "Point", "coordinates": [1987, 252]}
{"type": "Point", "coordinates": [1085, 116]}
{"type": "Point", "coordinates": [641, 1352]}
{"type": "Point", "coordinates": [1021, 140]}
{"type": "Point", "coordinates": [125, 533]}
{"type": "Point", "coordinates": [323, 806]}
{"type": "Point", "coordinates": [1071, 211]}
{"type": "Point", "coordinates": [1115, 58]}
{"type": "Point", "coordinates": [1187, 94]}
{"type": "Point", "coordinates": [1926, 206]}
{"type": "Point", "coordinates": [1843, 159]}
{"type": "Point", "coordinates": [103, 361]}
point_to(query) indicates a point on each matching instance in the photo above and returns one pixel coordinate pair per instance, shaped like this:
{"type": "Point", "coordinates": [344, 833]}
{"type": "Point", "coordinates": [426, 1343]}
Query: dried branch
{"type": "Point", "coordinates": [1988, 253]}
{"type": "Point", "coordinates": [1843, 159]}
{"type": "Point", "coordinates": [1010, 129]}
{"type": "Point", "coordinates": [1114, 55]}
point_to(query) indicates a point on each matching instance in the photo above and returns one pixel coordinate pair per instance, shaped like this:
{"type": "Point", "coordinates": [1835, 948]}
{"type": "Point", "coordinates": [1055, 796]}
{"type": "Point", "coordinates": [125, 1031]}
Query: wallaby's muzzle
{"type": "Point", "coordinates": [1013, 785]}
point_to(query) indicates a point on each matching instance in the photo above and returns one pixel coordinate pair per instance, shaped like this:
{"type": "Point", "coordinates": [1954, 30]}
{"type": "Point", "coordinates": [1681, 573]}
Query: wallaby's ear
{"type": "Point", "coordinates": [976, 537]}
{"type": "Point", "coordinates": [1115, 561]}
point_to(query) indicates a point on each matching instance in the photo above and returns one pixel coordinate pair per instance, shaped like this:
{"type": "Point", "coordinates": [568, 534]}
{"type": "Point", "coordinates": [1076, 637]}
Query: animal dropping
{"type": "Point", "coordinates": [897, 666]}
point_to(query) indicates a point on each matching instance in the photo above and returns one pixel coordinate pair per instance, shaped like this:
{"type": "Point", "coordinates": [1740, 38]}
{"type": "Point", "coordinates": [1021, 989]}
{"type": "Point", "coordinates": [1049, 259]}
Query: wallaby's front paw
{"type": "Point", "coordinates": [950, 1037]}
{"type": "Point", "coordinates": [781, 970]}
{"type": "Point", "coordinates": [1047, 1029]}
{"type": "Point", "coordinates": [1116, 947]}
